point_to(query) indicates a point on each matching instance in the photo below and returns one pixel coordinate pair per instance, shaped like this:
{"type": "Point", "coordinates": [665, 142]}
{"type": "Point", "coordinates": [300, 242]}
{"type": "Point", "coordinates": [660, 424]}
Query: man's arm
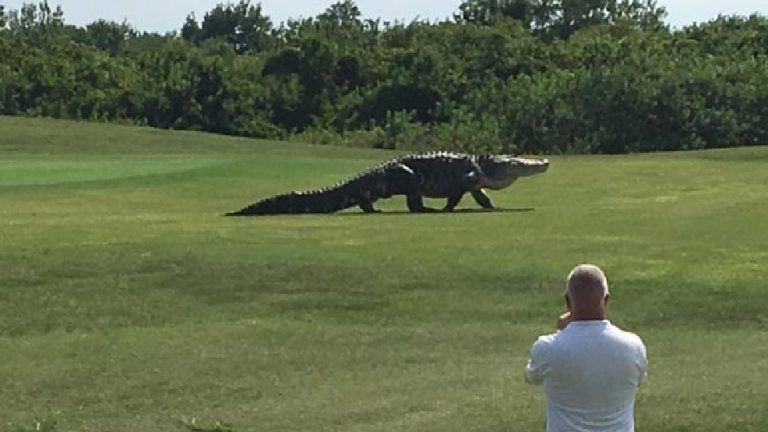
{"type": "Point", "coordinates": [533, 370]}
{"type": "Point", "coordinates": [642, 361]}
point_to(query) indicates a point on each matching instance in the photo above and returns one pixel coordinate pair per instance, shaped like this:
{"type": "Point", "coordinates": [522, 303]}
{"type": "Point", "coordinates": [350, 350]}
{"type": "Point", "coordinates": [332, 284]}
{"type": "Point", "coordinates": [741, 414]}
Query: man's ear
{"type": "Point", "coordinates": [607, 297]}
{"type": "Point", "coordinates": [567, 301]}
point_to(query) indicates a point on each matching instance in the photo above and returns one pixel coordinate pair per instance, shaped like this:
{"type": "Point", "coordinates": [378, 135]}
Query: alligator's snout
{"type": "Point", "coordinates": [535, 166]}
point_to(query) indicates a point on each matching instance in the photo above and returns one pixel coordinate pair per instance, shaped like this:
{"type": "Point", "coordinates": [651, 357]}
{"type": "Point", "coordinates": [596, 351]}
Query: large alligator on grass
{"type": "Point", "coordinates": [433, 175]}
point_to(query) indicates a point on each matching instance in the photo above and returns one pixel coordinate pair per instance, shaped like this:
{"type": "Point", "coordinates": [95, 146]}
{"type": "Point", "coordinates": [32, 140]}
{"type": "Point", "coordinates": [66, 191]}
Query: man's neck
{"type": "Point", "coordinates": [594, 316]}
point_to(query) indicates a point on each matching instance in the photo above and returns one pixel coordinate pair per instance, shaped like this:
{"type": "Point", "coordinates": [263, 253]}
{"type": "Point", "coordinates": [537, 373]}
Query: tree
{"type": "Point", "coordinates": [341, 14]}
{"type": "Point", "coordinates": [488, 12]}
{"type": "Point", "coordinates": [191, 29]}
{"type": "Point", "coordinates": [341, 19]}
{"type": "Point", "coordinates": [558, 19]}
{"type": "Point", "coordinates": [551, 76]}
{"type": "Point", "coordinates": [108, 35]}
{"type": "Point", "coordinates": [561, 18]}
{"type": "Point", "coordinates": [33, 17]}
{"type": "Point", "coordinates": [243, 25]}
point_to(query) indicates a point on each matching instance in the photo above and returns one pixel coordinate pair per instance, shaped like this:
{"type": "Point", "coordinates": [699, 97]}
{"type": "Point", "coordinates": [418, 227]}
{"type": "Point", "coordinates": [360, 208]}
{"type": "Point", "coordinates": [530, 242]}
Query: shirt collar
{"type": "Point", "coordinates": [589, 323]}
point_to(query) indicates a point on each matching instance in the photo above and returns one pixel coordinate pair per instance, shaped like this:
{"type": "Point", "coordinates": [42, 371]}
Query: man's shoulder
{"type": "Point", "coordinates": [624, 333]}
{"type": "Point", "coordinates": [547, 339]}
{"type": "Point", "coordinates": [544, 342]}
{"type": "Point", "coordinates": [626, 336]}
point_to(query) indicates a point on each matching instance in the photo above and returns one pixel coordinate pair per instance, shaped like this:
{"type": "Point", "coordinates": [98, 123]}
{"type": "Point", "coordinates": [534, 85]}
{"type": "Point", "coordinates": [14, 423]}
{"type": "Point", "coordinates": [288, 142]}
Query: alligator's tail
{"type": "Point", "coordinates": [327, 200]}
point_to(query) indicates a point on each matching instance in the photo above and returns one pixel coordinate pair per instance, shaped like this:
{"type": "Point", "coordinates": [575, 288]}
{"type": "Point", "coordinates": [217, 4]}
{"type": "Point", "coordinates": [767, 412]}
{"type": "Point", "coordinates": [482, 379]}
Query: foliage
{"type": "Point", "coordinates": [243, 26]}
{"type": "Point", "coordinates": [553, 76]}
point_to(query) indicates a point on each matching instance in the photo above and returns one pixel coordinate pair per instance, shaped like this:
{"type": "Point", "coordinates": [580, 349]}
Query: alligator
{"type": "Point", "coordinates": [434, 175]}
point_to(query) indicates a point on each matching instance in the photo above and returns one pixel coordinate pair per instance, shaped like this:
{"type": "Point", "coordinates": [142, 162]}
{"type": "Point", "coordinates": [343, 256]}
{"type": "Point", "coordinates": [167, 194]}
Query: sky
{"type": "Point", "coordinates": [166, 15]}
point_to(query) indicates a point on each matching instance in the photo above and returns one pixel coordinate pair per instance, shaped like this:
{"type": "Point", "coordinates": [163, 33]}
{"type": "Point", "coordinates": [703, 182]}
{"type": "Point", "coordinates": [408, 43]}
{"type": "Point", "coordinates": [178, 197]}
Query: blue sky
{"type": "Point", "coordinates": [166, 15]}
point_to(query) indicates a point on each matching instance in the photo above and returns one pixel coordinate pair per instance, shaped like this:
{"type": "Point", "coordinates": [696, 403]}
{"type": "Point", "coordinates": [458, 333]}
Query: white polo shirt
{"type": "Point", "coordinates": [590, 372]}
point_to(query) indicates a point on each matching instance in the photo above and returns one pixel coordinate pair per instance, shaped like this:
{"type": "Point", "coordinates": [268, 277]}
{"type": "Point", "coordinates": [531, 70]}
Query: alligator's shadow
{"type": "Point", "coordinates": [463, 211]}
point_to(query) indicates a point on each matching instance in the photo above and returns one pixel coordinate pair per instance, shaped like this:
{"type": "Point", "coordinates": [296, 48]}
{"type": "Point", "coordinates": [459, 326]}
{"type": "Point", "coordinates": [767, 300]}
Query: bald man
{"type": "Point", "coordinates": [589, 368]}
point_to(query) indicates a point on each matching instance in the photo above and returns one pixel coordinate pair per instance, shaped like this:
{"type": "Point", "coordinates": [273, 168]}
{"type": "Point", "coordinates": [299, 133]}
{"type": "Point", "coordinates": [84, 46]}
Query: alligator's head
{"type": "Point", "coordinates": [501, 170]}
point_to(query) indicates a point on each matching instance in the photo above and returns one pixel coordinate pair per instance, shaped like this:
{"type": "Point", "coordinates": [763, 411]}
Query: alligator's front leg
{"type": "Point", "coordinates": [482, 198]}
{"type": "Point", "coordinates": [453, 201]}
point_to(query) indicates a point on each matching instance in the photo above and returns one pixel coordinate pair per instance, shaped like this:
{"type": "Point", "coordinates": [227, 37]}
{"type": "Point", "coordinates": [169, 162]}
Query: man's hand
{"type": "Point", "coordinates": [564, 320]}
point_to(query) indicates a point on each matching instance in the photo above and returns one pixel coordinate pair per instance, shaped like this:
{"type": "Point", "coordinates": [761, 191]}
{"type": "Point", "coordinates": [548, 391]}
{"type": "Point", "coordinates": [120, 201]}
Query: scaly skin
{"type": "Point", "coordinates": [434, 175]}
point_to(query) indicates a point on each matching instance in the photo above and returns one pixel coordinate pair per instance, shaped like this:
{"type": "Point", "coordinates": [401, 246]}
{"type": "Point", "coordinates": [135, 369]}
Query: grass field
{"type": "Point", "coordinates": [128, 303]}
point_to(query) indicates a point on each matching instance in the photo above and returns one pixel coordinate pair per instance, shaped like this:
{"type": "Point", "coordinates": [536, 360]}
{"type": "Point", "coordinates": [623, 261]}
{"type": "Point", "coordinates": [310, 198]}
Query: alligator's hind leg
{"type": "Point", "coordinates": [364, 198]}
{"type": "Point", "coordinates": [367, 207]}
{"type": "Point", "coordinates": [453, 201]}
{"type": "Point", "coordinates": [415, 200]}
{"type": "Point", "coordinates": [416, 203]}
{"type": "Point", "coordinates": [407, 183]}
{"type": "Point", "coordinates": [482, 198]}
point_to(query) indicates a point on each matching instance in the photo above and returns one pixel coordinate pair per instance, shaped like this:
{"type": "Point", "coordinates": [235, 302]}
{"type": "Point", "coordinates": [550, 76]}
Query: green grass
{"type": "Point", "coordinates": [128, 303]}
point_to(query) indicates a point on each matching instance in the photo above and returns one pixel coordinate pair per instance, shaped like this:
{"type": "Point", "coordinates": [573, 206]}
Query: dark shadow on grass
{"type": "Point", "coordinates": [397, 213]}
{"type": "Point", "coordinates": [442, 213]}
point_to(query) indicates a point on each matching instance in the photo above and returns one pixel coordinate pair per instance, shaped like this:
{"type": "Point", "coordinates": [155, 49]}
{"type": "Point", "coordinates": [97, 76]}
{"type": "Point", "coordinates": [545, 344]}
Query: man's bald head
{"type": "Point", "coordinates": [586, 288]}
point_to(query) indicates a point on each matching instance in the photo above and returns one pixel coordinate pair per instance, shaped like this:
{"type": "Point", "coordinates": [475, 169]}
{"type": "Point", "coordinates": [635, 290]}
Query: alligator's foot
{"type": "Point", "coordinates": [424, 210]}
{"type": "Point", "coordinates": [368, 208]}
